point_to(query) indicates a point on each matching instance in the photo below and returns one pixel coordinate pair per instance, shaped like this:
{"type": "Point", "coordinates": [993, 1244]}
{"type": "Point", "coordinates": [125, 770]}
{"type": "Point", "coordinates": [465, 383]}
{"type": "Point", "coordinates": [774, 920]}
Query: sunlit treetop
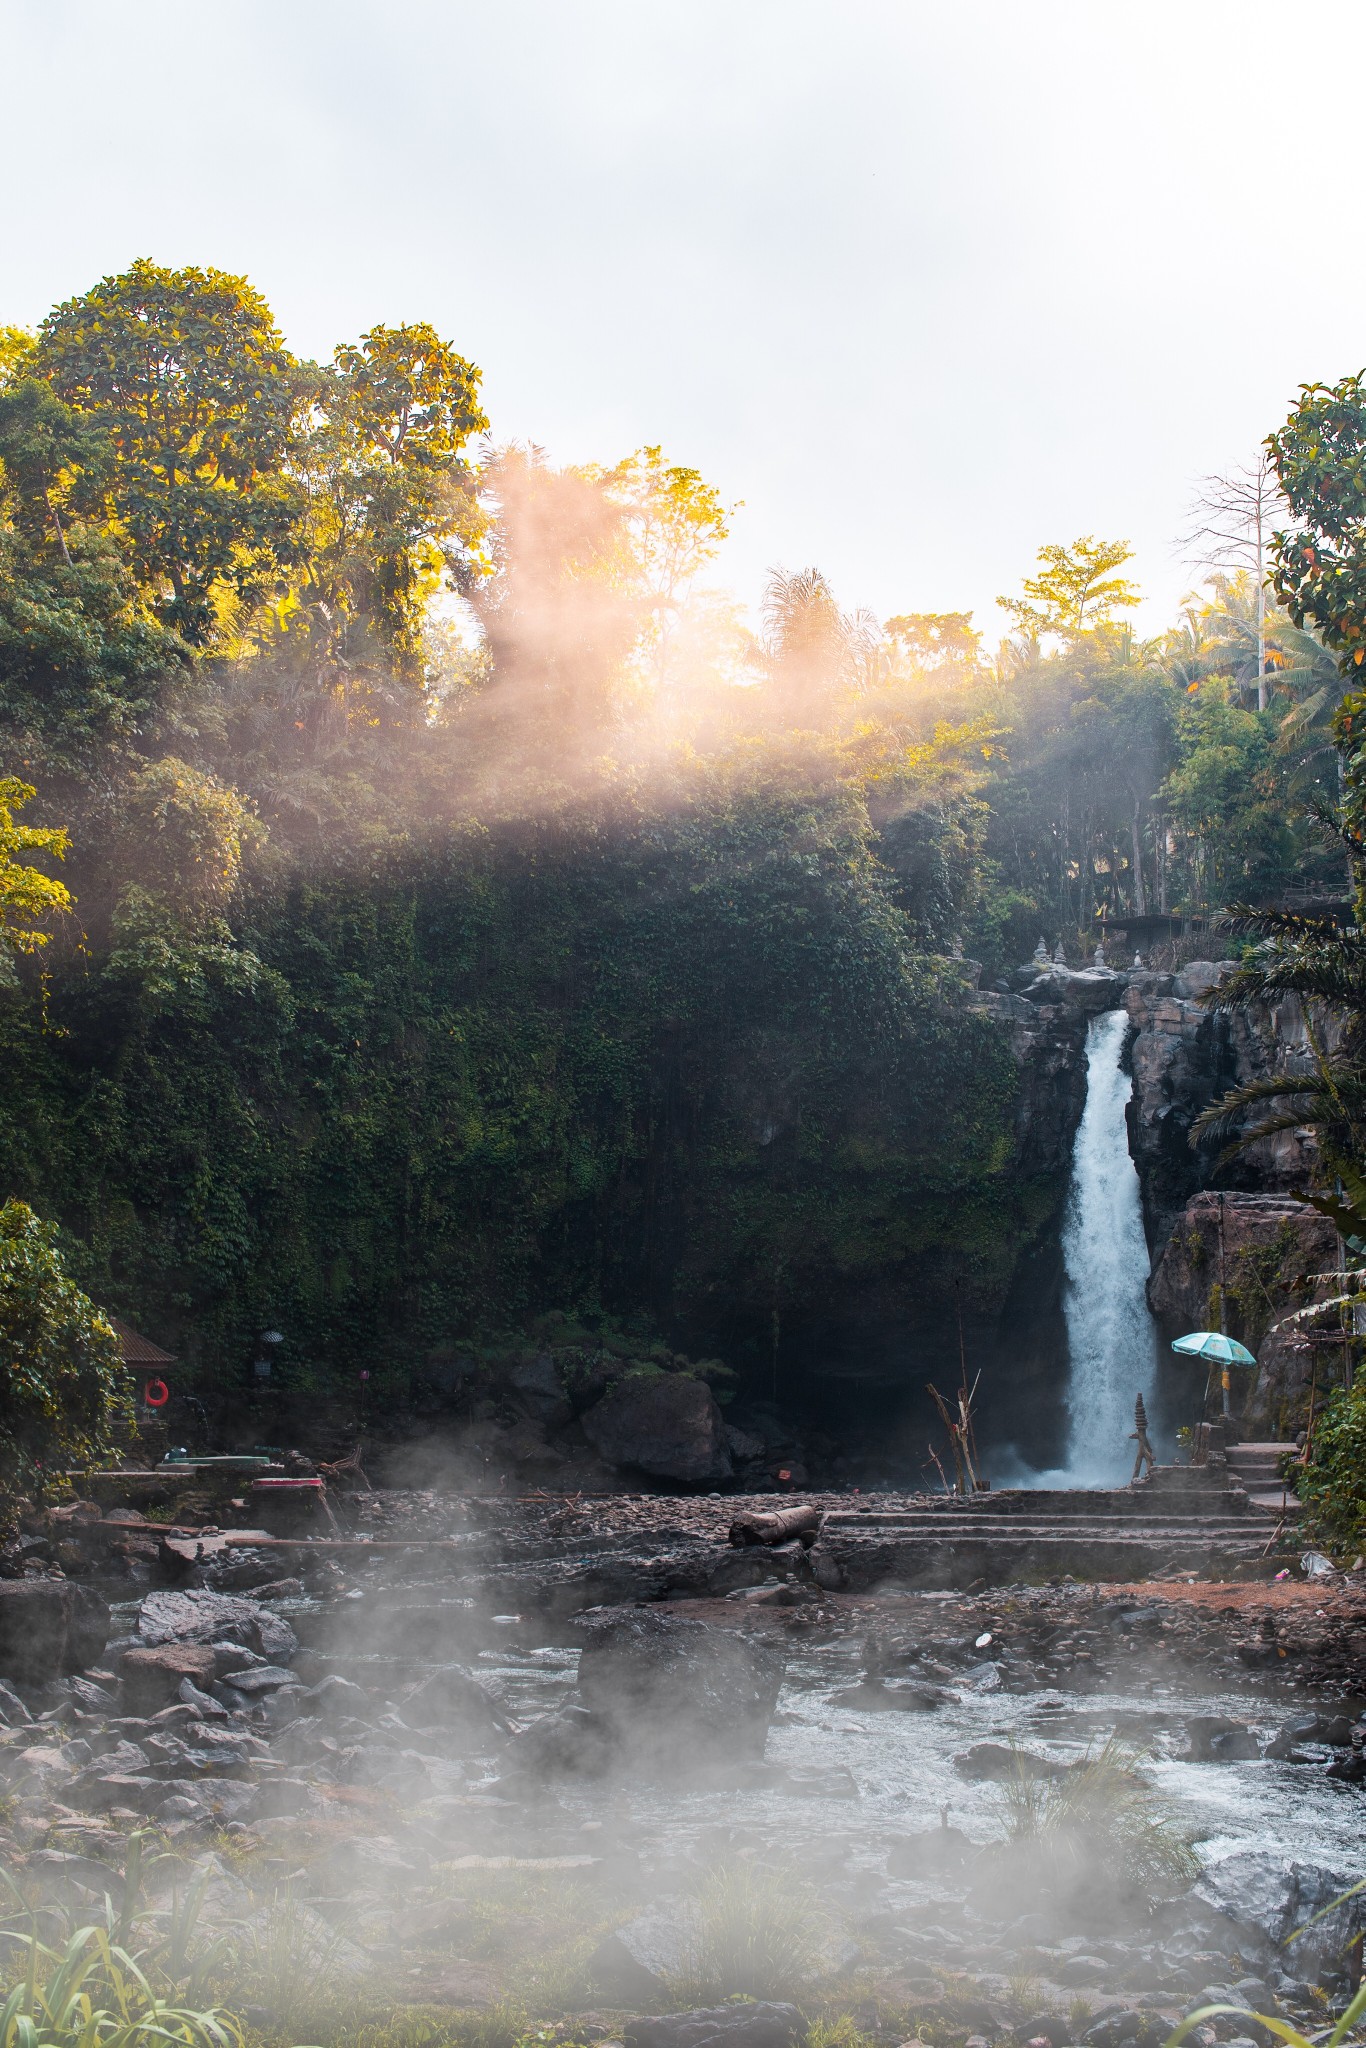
{"type": "Point", "coordinates": [17, 346]}
{"type": "Point", "coordinates": [188, 378]}
{"type": "Point", "coordinates": [936, 640]}
{"type": "Point", "coordinates": [1320, 569]}
{"type": "Point", "coordinates": [1076, 589]}
{"type": "Point", "coordinates": [676, 521]}
{"type": "Point", "coordinates": [28, 898]}
{"type": "Point", "coordinates": [406, 394]}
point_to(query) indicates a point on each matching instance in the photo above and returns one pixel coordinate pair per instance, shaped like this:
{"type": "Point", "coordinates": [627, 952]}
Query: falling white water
{"type": "Point", "coordinates": [1110, 1336]}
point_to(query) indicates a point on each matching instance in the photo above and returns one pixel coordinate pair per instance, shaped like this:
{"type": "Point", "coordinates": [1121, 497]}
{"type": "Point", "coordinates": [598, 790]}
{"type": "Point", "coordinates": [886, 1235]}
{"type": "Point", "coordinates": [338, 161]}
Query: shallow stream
{"type": "Point", "coordinates": [872, 1777]}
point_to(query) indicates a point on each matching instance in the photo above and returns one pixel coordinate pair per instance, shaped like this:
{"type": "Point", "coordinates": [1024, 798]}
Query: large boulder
{"type": "Point", "coordinates": [539, 1391]}
{"type": "Point", "coordinates": [49, 1628]}
{"type": "Point", "coordinates": [198, 1616]}
{"type": "Point", "coordinates": [662, 1423]}
{"type": "Point", "coordinates": [454, 1702]}
{"type": "Point", "coordinates": [151, 1679]}
{"type": "Point", "coordinates": [670, 1690]}
{"type": "Point", "coordinates": [1273, 1897]}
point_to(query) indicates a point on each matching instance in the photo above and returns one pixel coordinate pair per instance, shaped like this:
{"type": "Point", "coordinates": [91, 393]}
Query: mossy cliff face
{"type": "Point", "coordinates": [691, 1067]}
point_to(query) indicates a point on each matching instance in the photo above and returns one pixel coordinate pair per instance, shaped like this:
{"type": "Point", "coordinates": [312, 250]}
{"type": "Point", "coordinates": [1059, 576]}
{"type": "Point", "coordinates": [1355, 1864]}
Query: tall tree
{"type": "Point", "coordinates": [392, 498]}
{"type": "Point", "coordinates": [1075, 591]}
{"type": "Point", "coordinates": [1233, 515]}
{"type": "Point", "coordinates": [808, 642]}
{"type": "Point", "coordinates": [186, 375]}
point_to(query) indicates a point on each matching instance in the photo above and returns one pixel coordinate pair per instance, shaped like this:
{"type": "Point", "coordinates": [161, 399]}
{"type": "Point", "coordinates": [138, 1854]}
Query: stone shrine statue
{"type": "Point", "coordinates": [1059, 957]}
{"type": "Point", "coordinates": [1041, 950]}
{"type": "Point", "coordinates": [1144, 1455]}
{"type": "Point", "coordinates": [1098, 958]}
{"type": "Point", "coordinates": [1138, 960]}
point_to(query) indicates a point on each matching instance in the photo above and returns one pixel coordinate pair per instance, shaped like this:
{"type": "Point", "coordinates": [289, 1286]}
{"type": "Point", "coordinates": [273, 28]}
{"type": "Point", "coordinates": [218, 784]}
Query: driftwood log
{"type": "Point", "coordinates": [753, 1525]}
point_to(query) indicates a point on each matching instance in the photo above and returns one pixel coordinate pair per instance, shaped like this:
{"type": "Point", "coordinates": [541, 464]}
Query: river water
{"type": "Point", "coordinates": [865, 1779]}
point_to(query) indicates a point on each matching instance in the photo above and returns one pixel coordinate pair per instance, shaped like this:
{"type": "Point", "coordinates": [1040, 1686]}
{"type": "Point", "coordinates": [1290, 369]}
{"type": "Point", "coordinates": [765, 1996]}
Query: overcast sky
{"type": "Point", "coordinates": [923, 284]}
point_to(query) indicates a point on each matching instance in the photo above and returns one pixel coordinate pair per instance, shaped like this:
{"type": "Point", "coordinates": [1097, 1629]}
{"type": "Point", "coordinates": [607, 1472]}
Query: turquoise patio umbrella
{"type": "Point", "coordinates": [1214, 1346]}
{"type": "Point", "coordinates": [1216, 1349]}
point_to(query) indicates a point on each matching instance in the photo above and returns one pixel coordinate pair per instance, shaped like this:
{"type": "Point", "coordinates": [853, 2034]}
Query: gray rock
{"type": "Point", "coordinates": [49, 1628]}
{"type": "Point", "coordinates": [1275, 1896]}
{"type": "Point", "coordinates": [1214, 1739]}
{"type": "Point", "coordinates": [759, 2024]}
{"type": "Point", "coordinates": [334, 1697]}
{"type": "Point", "coordinates": [995, 1760]}
{"type": "Point", "coordinates": [742, 1443]}
{"type": "Point", "coordinates": [198, 1616]}
{"type": "Point", "coordinates": [665, 1424]}
{"type": "Point", "coordinates": [266, 1678]}
{"type": "Point", "coordinates": [878, 1696]}
{"type": "Point", "coordinates": [182, 1806]}
{"type": "Point", "coordinates": [202, 1702]}
{"type": "Point", "coordinates": [12, 1709]}
{"type": "Point", "coordinates": [539, 1391]}
{"type": "Point", "coordinates": [673, 1690]}
{"type": "Point", "coordinates": [450, 1699]}
{"type": "Point", "coordinates": [152, 1678]}
{"type": "Point", "coordinates": [570, 1743]}
{"type": "Point", "coordinates": [1199, 977]}
{"type": "Point", "coordinates": [97, 1792]}
{"type": "Point", "coordinates": [638, 1959]}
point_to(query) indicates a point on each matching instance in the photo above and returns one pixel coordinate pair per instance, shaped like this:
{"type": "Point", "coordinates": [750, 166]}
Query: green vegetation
{"type": "Point", "coordinates": [756, 1934]}
{"type": "Point", "coordinates": [1333, 1487]}
{"type": "Point", "coordinates": [470, 917]}
{"type": "Point", "coordinates": [63, 1368]}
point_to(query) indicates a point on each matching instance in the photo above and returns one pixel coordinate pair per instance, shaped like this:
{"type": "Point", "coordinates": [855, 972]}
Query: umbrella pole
{"type": "Point", "coordinates": [1223, 1314]}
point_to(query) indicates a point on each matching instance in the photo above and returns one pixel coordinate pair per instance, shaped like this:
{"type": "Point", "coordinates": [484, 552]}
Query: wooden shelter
{"type": "Point", "coordinates": [149, 1365]}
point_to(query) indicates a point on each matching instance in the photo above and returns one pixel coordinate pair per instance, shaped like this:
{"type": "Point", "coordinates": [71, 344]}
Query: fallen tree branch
{"type": "Point", "coordinates": [752, 1525]}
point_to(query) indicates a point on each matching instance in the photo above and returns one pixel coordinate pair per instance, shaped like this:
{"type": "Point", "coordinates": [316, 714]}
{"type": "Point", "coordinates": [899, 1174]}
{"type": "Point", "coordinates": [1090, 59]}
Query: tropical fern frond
{"type": "Point", "coordinates": [1314, 1096]}
{"type": "Point", "coordinates": [1296, 926]}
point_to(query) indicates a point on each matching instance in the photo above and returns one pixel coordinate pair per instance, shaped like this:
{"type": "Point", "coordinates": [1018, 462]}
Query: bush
{"type": "Point", "coordinates": [1333, 1486]}
{"type": "Point", "coordinates": [59, 1392]}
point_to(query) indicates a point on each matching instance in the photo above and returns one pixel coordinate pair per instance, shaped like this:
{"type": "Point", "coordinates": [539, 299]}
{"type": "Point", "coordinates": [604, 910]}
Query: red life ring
{"type": "Point", "coordinates": [156, 1393]}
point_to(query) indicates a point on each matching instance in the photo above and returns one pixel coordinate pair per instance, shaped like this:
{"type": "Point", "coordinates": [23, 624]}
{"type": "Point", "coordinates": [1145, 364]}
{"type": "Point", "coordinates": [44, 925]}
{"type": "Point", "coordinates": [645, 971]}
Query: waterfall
{"type": "Point", "coordinates": [1110, 1336]}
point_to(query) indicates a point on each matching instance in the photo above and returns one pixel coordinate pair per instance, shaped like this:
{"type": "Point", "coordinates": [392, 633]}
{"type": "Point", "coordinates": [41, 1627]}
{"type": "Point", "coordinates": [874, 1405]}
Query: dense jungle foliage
{"type": "Point", "coordinates": [461, 911]}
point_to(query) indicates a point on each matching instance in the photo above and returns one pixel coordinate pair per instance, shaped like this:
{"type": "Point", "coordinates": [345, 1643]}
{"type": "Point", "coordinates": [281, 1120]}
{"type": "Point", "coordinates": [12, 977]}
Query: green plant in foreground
{"type": "Point", "coordinates": [93, 1995]}
{"type": "Point", "coordinates": [754, 1933]}
{"type": "Point", "coordinates": [1280, 2028]}
{"type": "Point", "coordinates": [1100, 1805]}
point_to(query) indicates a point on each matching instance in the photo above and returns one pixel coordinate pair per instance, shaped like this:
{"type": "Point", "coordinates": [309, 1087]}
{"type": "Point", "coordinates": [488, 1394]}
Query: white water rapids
{"type": "Point", "coordinates": [1110, 1336]}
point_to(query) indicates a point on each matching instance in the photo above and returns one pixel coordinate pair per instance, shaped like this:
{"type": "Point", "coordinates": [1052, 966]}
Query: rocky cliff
{"type": "Point", "coordinates": [1266, 1255]}
{"type": "Point", "coordinates": [1186, 1056]}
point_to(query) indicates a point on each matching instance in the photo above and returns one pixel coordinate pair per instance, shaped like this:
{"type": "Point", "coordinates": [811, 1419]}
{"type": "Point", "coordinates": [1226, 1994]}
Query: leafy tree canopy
{"type": "Point", "coordinates": [29, 899]}
{"type": "Point", "coordinates": [1075, 591]}
{"type": "Point", "coordinates": [188, 379]}
{"type": "Point", "coordinates": [61, 1386]}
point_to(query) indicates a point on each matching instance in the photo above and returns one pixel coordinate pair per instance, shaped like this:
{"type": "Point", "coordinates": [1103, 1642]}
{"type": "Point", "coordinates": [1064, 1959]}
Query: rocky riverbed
{"type": "Point", "coordinates": [553, 1749]}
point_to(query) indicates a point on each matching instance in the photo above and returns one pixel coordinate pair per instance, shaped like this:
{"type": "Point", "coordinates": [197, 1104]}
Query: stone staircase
{"type": "Point", "coordinates": [1184, 1517]}
{"type": "Point", "coordinates": [1257, 1468]}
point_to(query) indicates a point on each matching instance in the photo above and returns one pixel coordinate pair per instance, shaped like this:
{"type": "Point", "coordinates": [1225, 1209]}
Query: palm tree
{"type": "Point", "coordinates": [810, 645]}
